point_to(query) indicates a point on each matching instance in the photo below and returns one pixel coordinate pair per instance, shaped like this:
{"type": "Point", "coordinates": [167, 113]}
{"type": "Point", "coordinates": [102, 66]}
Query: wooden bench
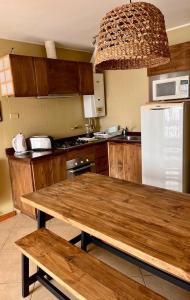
{"type": "Point", "coordinates": [79, 273]}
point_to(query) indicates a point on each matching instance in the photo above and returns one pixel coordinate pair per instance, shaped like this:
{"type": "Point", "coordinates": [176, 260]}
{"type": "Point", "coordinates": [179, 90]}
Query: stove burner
{"type": "Point", "coordinates": [69, 143]}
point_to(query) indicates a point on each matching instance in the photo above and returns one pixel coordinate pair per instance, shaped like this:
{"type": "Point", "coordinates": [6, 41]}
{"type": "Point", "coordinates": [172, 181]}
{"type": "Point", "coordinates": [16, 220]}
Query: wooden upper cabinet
{"type": "Point", "coordinates": [17, 76]}
{"type": "Point", "coordinates": [54, 76]}
{"type": "Point", "coordinates": [180, 60]}
{"type": "Point", "coordinates": [40, 68]}
{"type": "Point", "coordinates": [26, 76]}
{"type": "Point", "coordinates": [62, 76]}
{"type": "Point", "coordinates": [125, 161]}
{"type": "Point", "coordinates": [86, 85]}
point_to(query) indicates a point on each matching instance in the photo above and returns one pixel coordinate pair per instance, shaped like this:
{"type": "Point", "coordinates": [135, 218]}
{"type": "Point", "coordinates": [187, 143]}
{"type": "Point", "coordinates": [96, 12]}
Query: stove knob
{"type": "Point", "coordinates": [87, 159]}
{"type": "Point", "coordinates": [82, 161]}
{"type": "Point", "coordinates": [76, 164]}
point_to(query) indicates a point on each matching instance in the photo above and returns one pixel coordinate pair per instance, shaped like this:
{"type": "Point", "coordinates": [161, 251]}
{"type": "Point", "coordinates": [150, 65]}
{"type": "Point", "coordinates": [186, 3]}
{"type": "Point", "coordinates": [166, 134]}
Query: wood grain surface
{"type": "Point", "coordinates": [149, 223]}
{"type": "Point", "coordinates": [125, 161]}
{"type": "Point", "coordinates": [180, 60]}
{"type": "Point", "coordinates": [80, 273]}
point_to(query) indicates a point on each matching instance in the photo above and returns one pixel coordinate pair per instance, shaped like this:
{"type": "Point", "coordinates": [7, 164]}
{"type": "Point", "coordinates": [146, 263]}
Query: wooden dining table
{"type": "Point", "coordinates": [148, 226]}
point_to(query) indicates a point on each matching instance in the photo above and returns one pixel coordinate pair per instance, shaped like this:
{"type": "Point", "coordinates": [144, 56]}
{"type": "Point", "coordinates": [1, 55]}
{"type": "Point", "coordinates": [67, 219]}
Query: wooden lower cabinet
{"type": "Point", "coordinates": [101, 158]}
{"type": "Point", "coordinates": [30, 175]}
{"type": "Point", "coordinates": [42, 172]}
{"type": "Point", "coordinates": [22, 183]}
{"type": "Point", "coordinates": [125, 161]}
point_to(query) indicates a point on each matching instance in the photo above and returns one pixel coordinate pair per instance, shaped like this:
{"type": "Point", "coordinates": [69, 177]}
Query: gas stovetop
{"type": "Point", "coordinates": [69, 143]}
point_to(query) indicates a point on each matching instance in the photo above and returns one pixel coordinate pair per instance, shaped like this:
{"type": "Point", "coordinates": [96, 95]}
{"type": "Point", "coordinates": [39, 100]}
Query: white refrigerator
{"type": "Point", "coordinates": [165, 135]}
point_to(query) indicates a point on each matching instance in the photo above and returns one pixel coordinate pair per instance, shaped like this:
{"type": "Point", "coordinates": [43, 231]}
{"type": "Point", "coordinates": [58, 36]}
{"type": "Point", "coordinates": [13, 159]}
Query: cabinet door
{"type": "Point", "coordinates": [40, 67]}
{"type": "Point", "coordinates": [42, 173]}
{"type": "Point", "coordinates": [86, 85]}
{"type": "Point", "coordinates": [21, 183]}
{"type": "Point", "coordinates": [116, 156]}
{"type": "Point", "coordinates": [125, 161]}
{"type": "Point", "coordinates": [62, 76]}
{"type": "Point", "coordinates": [132, 163]}
{"type": "Point", "coordinates": [59, 168]}
{"type": "Point", "coordinates": [101, 158]}
{"type": "Point", "coordinates": [23, 75]}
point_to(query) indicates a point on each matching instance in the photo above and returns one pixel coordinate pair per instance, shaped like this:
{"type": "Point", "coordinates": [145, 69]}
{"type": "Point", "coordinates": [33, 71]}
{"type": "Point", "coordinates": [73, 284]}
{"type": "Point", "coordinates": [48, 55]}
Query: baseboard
{"type": "Point", "coordinates": [7, 216]}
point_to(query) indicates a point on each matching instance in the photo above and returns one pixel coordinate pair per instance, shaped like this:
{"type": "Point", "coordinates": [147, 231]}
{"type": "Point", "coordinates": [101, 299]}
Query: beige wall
{"type": "Point", "coordinates": [52, 116]}
{"type": "Point", "coordinates": [127, 90]}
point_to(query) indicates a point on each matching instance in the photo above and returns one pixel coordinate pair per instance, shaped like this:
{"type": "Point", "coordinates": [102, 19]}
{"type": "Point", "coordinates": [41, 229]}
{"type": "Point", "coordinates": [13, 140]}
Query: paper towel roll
{"type": "Point", "coordinates": [50, 49]}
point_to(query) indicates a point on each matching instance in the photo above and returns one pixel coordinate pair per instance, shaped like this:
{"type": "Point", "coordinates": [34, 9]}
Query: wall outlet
{"type": "Point", "coordinates": [14, 115]}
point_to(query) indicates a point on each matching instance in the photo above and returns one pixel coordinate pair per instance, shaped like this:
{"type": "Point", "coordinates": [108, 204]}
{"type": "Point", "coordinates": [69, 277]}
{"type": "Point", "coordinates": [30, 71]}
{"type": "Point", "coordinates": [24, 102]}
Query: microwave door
{"type": "Point", "coordinates": [165, 90]}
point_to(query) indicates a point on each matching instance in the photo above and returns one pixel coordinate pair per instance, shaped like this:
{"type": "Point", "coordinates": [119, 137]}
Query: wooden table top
{"type": "Point", "coordinates": [149, 223]}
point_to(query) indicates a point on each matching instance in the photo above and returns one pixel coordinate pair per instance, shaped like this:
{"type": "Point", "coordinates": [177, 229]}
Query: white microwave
{"type": "Point", "coordinates": [170, 88]}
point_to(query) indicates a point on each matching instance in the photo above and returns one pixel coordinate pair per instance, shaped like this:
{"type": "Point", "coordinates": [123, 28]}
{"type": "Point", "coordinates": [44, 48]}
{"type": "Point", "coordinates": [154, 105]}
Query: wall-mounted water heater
{"type": "Point", "coordinates": [94, 105]}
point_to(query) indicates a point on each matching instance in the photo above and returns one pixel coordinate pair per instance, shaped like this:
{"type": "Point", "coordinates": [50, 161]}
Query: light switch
{"type": "Point", "coordinates": [14, 116]}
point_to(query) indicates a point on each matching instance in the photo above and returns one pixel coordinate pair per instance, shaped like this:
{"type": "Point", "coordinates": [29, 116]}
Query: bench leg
{"type": "Point", "coordinates": [25, 276]}
{"type": "Point", "coordinates": [85, 240]}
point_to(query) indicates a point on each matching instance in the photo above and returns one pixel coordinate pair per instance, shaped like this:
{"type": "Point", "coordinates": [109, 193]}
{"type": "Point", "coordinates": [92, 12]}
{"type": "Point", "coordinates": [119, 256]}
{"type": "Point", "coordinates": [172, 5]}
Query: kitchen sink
{"type": "Point", "coordinates": [133, 138]}
{"type": "Point", "coordinates": [130, 138]}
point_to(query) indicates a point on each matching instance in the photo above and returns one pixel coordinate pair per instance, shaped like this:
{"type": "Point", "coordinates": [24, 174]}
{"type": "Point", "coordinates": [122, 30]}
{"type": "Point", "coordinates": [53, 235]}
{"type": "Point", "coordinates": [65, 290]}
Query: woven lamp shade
{"type": "Point", "coordinates": [132, 36]}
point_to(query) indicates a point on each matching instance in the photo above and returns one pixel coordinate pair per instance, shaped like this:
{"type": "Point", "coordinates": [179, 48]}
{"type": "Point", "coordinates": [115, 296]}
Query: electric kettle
{"type": "Point", "coordinates": [19, 143]}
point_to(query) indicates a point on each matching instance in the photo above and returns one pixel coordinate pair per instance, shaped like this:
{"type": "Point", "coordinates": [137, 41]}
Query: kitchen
{"type": "Point", "coordinates": [58, 117]}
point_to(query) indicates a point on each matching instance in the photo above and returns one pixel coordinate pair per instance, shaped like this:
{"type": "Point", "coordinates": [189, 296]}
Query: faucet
{"type": "Point", "coordinates": [125, 130]}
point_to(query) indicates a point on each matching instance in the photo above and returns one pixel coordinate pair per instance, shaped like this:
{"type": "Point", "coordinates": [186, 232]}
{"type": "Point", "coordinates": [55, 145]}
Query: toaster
{"type": "Point", "coordinates": [40, 142]}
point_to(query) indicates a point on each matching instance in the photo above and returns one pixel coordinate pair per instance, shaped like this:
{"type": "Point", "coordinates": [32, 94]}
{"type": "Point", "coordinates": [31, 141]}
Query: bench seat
{"type": "Point", "coordinates": [81, 274]}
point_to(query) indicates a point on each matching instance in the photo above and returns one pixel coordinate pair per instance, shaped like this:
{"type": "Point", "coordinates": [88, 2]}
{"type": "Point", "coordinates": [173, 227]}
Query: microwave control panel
{"type": "Point", "coordinates": [184, 87]}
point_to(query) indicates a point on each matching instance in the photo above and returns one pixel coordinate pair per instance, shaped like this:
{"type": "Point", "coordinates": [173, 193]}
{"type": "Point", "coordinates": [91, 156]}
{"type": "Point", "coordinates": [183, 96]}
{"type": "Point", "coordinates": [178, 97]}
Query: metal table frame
{"type": "Point", "coordinates": [86, 239]}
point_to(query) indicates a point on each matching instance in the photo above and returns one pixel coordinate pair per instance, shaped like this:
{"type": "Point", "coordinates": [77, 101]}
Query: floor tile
{"type": "Point", "coordinates": [64, 230]}
{"type": "Point", "coordinates": [10, 266]}
{"type": "Point", "coordinates": [12, 291]}
{"type": "Point", "coordinates": [137, 279]}
{"type": "Point", "coordinates": [8, 224]}
{"type": "Point", "coordinates": [144, 272]}
{"type": "Point", "coordinates": [116, 262]}
{"type": "Point", "coordinates": [23, 221]}
{"type": "Point", "coordinates": [15, 235]}
{"type": "Point", "coordinates": [41, 293]}
{"type": "Point", "coordinates": [3, 237]}
{"type": "Point", "coordinates": [166, 289]}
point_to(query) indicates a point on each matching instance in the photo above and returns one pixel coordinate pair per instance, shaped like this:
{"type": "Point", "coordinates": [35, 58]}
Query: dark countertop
{"type": "Point", "coordinates": [35, 155]}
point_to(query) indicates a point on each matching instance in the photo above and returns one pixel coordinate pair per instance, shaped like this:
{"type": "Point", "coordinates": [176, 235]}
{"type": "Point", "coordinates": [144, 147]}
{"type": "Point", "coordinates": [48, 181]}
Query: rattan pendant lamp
{"type": "Point", "coordinates": [132, 36]}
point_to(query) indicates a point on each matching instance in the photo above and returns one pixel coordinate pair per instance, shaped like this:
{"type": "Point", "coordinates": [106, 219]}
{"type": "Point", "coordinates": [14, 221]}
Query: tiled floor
{"type": "Point", "coordinates": [10, 265]}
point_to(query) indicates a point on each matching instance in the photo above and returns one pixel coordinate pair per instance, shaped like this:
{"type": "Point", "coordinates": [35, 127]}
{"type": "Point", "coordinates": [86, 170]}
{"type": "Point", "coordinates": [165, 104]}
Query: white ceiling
{"type": "Point", "coordinates": [71, 23]}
